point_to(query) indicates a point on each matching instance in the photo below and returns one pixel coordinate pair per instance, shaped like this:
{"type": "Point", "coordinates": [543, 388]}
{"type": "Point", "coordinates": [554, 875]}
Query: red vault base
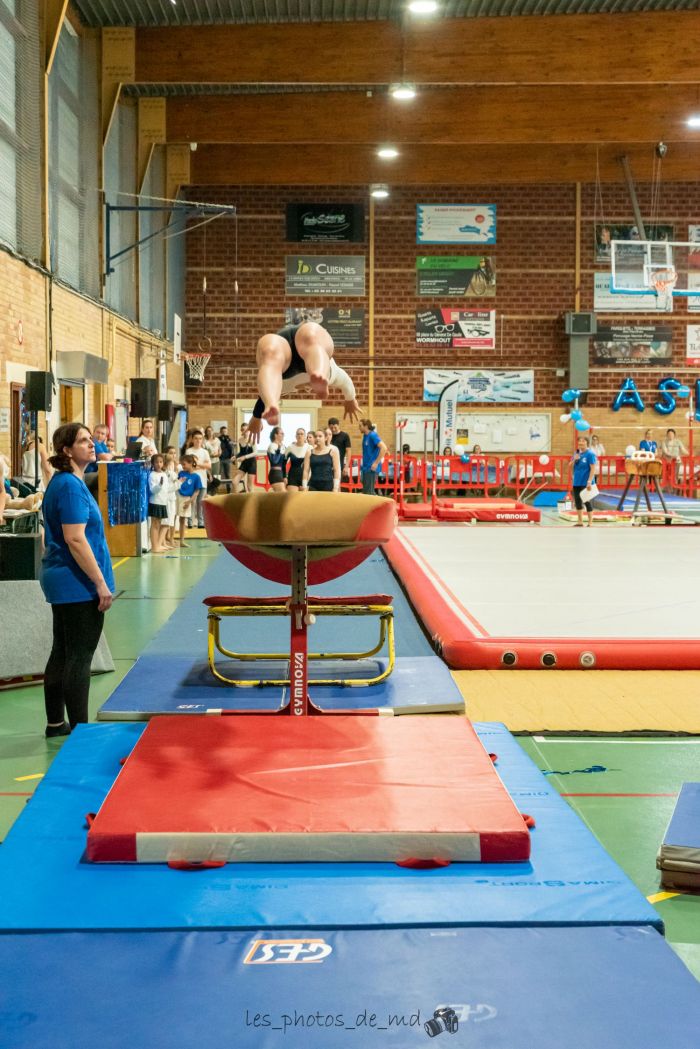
{"type": "Point", "coordinates": [262, 790]}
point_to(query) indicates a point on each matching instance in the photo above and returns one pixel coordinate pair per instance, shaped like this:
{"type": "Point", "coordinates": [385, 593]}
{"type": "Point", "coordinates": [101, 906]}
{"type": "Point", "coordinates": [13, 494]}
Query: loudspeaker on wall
{"type": "Point", "coordinates": [144, 398]}
{"type": "Point", "coordinates": [39, 389]}
{"type": "Point", "coordinates": [165, 411]}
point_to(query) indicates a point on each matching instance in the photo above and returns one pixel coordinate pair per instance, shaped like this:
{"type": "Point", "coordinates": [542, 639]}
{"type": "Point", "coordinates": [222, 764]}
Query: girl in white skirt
{"type": "Point", "coordinates": [158, 486]}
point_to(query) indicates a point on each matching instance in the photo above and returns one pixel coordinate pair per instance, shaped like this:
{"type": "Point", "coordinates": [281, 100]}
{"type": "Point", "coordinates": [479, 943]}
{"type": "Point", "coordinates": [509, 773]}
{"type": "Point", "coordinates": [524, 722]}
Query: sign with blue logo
{"type": "Point", "coordinates": [455, 223]}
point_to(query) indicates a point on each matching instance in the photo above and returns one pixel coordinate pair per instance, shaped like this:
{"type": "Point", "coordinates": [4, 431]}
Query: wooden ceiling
{"type": "Point", "coordinates": [539, 98]}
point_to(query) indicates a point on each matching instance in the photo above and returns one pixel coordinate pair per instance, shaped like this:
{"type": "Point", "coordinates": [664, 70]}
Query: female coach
{"type": "Point", "coordinates": [76, 577]}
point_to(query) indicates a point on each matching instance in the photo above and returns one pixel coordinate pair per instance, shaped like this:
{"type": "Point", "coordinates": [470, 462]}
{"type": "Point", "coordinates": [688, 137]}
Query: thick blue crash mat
{"type": "Point", "coordinates": [172, 676]}
{"type": "Point", "coordinates": [512, 988]}
{"type": "Point", "coordinates": [45, 882]}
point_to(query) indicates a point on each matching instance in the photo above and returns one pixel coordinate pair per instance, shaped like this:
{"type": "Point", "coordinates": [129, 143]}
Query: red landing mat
{"type": "Point", "coordinates": [261, 789]}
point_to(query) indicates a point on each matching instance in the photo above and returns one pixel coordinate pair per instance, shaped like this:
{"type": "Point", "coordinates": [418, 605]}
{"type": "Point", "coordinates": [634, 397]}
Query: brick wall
{"type": "Point", "coordinates": [78, 324]}
{"type": "Point", "coordinates": [536, 272]}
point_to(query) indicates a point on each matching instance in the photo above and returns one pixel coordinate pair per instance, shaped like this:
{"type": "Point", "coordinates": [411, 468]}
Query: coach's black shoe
{"type": "Point", "coordinates": [57, 730]}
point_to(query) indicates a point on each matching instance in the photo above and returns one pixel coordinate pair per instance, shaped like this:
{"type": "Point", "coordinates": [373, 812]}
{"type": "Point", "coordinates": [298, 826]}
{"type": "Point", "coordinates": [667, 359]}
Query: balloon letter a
{"type": "Point", "coordinates": [628, 397]}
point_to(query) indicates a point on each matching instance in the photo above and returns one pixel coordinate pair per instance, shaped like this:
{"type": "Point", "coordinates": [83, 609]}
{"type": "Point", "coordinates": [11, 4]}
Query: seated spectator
{"type": "Point", "coordinates": [672, 449]}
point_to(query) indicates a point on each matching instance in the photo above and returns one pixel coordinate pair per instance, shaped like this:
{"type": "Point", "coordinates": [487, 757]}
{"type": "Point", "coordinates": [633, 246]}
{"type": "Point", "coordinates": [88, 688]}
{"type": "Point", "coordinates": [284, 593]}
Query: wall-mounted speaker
{"type": "Point", "coordinates": [144, 398]}
{"type": "Point", "coordinates": [39, 387]}
{"type": "Point", "coordinates": [580, 323]}
{"type": "Point", "coordinates": [165, 411]}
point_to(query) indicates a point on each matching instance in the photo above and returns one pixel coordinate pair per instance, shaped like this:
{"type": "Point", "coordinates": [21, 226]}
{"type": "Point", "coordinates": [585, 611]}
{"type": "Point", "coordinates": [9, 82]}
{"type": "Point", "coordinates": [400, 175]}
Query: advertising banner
{"type": "Point", "coordinates": [692, 349]}
{"type": "Point", "coordinates": [632, 344]}
{"type": "Point", "coordinates": [346, 327]}
{"type": "Point", "coordinates": [480, 386]}
{"type": "Point", "coordinates": [470, 275]}
{"type": "Point", "coordinates": [694, 252]}
{"type": "Point", "coordinates": [456, 328]}
{"type": "Point", "coordinates": [455, 223]}
{"type": "Point", "coordinates": [325, 275]}
{"type": "Point", "coordinates": [325, 222]}
{"type": "Point", "coordinates": [606, 301]}
{"type": "Point", "coordinates": [607, 232]}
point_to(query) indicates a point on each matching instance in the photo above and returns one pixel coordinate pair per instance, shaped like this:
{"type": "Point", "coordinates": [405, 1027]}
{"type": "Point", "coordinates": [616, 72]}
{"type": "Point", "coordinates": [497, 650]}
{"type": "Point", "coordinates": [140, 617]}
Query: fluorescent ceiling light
{"type": "Point", "coordinates": [387, 152]}
{"type": "Point", "coordinates": [379, 191]}
{"type": "Point", "coordinates": [693, 121]}
{"type": "Point", "coordinates": [403, 92]}
{"type": "Point", "coordinates": [423, 7]}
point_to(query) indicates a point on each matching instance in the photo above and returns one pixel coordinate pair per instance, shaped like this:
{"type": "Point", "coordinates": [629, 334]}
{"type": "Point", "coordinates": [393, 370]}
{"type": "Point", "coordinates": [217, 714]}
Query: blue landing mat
{"type": "Point", "coordinates": [506, 989]}
{"type": "Point", "coordinates": [171, 674]}
{"type": "Point", "coordinates": [45, 884]}
{"type": "Point", "coordinates": [181, 685]}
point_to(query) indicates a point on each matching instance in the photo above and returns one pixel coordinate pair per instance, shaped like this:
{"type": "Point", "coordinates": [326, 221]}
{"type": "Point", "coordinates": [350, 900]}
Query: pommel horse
{"type": "Point", "coordinates": [300, 539]}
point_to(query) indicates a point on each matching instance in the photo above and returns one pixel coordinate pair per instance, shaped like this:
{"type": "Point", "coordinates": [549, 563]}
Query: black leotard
{"type": "Point", "coordinates": [321, 476]}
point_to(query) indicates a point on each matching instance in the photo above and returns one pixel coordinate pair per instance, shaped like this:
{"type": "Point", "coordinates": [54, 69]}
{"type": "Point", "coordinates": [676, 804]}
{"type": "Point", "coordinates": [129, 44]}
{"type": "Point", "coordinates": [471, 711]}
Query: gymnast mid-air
{"type": "Point", "coordinates": [298, 355]}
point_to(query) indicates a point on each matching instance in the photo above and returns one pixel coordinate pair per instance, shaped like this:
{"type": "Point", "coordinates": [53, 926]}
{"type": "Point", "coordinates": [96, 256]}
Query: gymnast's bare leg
{"type": "Point", "coordinates": [274, 356]}
{"type": "Point", "coordinates": [315, 347]}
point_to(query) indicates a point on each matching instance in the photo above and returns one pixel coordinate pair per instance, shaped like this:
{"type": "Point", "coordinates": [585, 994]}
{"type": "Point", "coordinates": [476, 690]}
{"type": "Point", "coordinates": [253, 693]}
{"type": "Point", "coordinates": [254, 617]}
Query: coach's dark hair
{"type": "Point", "coordinates": [65, 437]}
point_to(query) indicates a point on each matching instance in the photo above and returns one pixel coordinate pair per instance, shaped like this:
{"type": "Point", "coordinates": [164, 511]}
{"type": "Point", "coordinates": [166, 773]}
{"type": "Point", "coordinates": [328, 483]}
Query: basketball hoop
{"type": "Point", "coordinates": [663, 282]}
{"type": "Point", "coordinates": [195, 363]}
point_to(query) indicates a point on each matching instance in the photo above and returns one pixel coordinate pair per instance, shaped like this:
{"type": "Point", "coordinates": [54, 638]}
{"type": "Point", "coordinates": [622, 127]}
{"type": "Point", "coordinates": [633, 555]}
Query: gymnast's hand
{"type": "Point", "coordinates": [254, 429]}
{"type": "Point", "coordinates": [351, 410]}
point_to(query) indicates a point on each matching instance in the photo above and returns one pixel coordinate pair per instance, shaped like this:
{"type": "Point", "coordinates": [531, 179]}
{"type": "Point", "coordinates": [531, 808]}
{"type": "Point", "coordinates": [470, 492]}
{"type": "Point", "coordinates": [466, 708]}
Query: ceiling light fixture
{"type": "Point", "coordinates": [379, 191]}
{"type": "Point", "coordinates": [693, 121]}
{"type": "Point", "coordinates": [402, 92]}
{"type": "Point", "coordinates": [423, 7]}
{"type": "Point", "coordinates": [387, 152]}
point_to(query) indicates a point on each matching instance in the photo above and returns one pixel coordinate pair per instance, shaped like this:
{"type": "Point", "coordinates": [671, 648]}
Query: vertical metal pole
{"type": "Point", "coordinates": [299, 668]}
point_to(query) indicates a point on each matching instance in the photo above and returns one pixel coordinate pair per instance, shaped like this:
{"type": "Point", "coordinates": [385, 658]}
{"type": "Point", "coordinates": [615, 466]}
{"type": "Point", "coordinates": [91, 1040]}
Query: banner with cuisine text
{"type": "Point", "coordinates": [442, 275]}
{"type": "Point", "coordinates": [481, 386]}
{"type": "Point", "coordinates": [453, 329]}
{"type": "Point", "coordinates": [324, 275]}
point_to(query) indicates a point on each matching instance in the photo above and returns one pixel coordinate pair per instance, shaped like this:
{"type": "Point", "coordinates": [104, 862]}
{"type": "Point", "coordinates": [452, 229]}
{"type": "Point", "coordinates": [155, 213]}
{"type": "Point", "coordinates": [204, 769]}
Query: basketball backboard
{"type": "Point", "coordinates": [664, 267]}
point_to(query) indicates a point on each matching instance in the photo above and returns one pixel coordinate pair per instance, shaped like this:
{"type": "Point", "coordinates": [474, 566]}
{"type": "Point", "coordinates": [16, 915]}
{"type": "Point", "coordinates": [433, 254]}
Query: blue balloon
{"type": "Point", "coordinates": [465, 459]}
{"type": "Point", "coordinates": [683, 391]}
{"type": "Point", "coordinates": [628, 397]}
{"type": "Point", "coordinates": [576, 415]}
{"type": "Point", "coordinates": [697, 400]}
{"type": "Point", "coordinates": [570, 395]}
{"type": "Point", "coordinates": [581, 424]}
{"type": "Point", "coordinates": [667, 403]}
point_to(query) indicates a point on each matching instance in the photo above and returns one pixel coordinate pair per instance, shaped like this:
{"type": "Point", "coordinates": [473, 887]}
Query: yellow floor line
{"type": "Point", "coordinates": [35, 775]}
{"type": "Point", "coordinates": [659, 896]}
{"type": "Point", "coordinates": [120, 562]}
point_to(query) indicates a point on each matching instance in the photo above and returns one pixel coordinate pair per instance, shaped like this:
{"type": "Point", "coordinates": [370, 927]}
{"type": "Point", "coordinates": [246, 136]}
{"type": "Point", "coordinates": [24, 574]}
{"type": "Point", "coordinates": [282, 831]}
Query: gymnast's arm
{"type": "Point", "coordinates": [341, 380]}
{"type": "Point", "coordinates": [306, 472]}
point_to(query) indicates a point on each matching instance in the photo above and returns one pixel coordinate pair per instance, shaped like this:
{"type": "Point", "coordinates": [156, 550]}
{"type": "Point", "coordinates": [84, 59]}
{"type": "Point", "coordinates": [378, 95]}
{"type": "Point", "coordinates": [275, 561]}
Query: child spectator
{"type": "Point", "coordinates": [190, 486]}
{"type": "Point", "coordinates": [171, 472]}
{"type": "Point", "coordinates": [158, 503]}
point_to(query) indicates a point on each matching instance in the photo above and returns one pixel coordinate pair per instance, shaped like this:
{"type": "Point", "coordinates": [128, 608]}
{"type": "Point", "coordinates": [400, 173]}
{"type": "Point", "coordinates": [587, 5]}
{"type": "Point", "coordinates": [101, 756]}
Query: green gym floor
{"type": "Point", "coordinates": [624, 789]}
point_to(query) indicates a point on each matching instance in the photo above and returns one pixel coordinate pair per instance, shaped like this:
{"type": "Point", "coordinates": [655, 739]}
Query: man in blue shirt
{"type": "Point", "coordinates": [584, 461]}
{"type": "Point", "coordinates": [373, 451]}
